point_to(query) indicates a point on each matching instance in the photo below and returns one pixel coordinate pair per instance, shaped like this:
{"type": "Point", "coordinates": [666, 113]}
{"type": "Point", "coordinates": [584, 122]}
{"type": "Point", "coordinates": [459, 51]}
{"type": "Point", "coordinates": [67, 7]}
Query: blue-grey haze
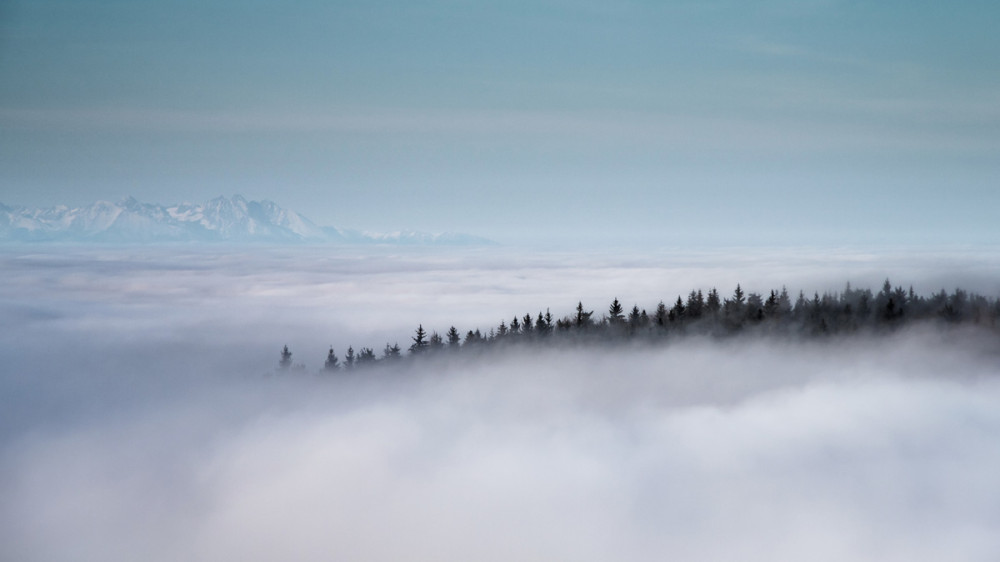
{"type": "Point", "coordinates": [820, 121]}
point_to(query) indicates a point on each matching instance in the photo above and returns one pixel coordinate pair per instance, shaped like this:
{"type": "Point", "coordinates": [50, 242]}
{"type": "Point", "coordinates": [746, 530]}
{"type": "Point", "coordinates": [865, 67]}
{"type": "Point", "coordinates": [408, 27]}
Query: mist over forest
{"type": "Point", "coordinates": [143, 415]}
{"type": "Point", "coordinates": [756, 244]}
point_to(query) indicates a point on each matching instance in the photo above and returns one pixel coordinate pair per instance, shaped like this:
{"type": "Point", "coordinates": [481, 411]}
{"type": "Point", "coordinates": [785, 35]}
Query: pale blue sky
{"type": "Point", "coordinates": [728, 121]}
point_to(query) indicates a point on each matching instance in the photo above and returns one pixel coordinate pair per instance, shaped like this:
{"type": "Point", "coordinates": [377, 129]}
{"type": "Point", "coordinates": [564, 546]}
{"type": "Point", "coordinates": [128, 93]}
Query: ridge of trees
{"type": "Point", "coordinates": [706, 314]}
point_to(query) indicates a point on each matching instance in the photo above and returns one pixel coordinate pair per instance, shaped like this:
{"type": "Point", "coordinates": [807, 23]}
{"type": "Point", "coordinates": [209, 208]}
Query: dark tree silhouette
{"type": "Point", "coordinates": [851, 311]}
{"type": "Point", "coordinates": [454, 339]}
{"type": "Point", "coordinates": [771, 305]}
{"type": "Point", "coordinates": [615, 312]}
{"type": "Point", "coordinates": [436, 342]}
{"type": "Point", "coordinates": [349, 359]}
{"type": "Point", "coordinates": [332, 362]}
{"type": "Point", "coordinates": [713, 303]}
{"type": "Point", "coordinates": [473, 338]}
{"type": "Point", "coordinates": [419, 341]}
{"type": "Point", "coordinates": [540, 326]}
{"type": "Point", "coordinates": [634, 320]}
{"type": "Point", "coordinates": [366, 356]}
{"type": "Point", "coordinates": [784, 304]}
{"type": "Point", "coordinates": [679, 311]}
{"type": "Point", "coordinates": [661, 316]}
{"type": "Point", "coordinates": [582, 318]}
{"type": "Point", "coordinates": [391, 352]}
{"type": "Point", "coordinates": [755, 307]}
{"type": "Point", "coordinates": [695, 304]}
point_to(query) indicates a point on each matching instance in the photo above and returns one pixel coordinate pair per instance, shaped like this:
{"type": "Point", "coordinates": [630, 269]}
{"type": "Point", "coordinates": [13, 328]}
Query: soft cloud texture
{"type": "Point", "coordinates": [139, 423]}
{"type": "Point", "coordinates": [705, 451]}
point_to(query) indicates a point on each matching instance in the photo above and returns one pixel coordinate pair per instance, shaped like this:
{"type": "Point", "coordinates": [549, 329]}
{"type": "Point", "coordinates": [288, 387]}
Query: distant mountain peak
{"type": "Point", "coordinates": [222, 219]}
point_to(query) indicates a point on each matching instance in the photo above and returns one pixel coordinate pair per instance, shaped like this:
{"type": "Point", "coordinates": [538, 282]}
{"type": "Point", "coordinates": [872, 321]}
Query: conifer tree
{"type": "Point", "coordinates": [419, 341]}
{"type": "Point", "coordinates": [286, 358]}
{"type": "Point", "coordinates": [391, 352]}
{"type": "Point", "coordinates": [454, 339]}
{"type": "Point", "coordinates": [738, 297]}
{"type": "Point", "coordinates": [755, 307]}
{"type": "Point", "coordinates": [661, 317]}
{"type": "Point", "coordinates": [734, 308]}
{"type": "Point", "coordinates": [695, 304]}
{"type": "Point", "coordinates": [679, 311]}
{"type": "Point", "coordinates": [332, 362]}
{"type": "Point", "coordinates": [349, 359]}
{"type": "Point", "coordinates": [436, 342]}
{"type": "Point", "coordinates": [366, 356]}
{"type": "Point", "coordinates": [784, 302]}
{"type": "Point", "coordinates": [541, 327]}
{"type": "Point", "coordinates": [615, 312]}
{"type": "Point", "coordinates": [713, 303]}
{"type": "Point", "coordinates": [634, 319]}
{"type": "Point", "coordinates": [582, 317]}
{"type": "Point", "coordinates": [771, 305]}
{"type": "Point", "coordinates": [473, 338]}
{"type": "Point", "coordinates": [801, 304]}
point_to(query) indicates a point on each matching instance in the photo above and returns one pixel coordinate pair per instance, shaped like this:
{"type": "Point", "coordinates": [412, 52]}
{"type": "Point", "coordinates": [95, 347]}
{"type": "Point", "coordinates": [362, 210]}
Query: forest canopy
{"type": "Point", "coordinates": [700, 313]}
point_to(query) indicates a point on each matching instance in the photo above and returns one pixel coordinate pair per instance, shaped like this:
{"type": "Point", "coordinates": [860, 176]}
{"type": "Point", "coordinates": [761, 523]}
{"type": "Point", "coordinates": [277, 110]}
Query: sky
{"type": "Point", "coordinates": [818, 121]}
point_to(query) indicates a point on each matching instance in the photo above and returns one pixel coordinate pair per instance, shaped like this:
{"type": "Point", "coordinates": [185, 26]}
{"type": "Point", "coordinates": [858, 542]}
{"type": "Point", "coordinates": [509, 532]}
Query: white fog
{"type": "Point", "coordinates": [142, 417]}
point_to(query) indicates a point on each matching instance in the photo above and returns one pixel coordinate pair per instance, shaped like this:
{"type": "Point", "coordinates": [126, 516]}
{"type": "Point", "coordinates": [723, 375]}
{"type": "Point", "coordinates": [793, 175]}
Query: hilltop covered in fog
{"type": "Point", "coordinates": [849, 312]}
{"type": "Point", "coordinates": [222, 219]}
{"type": "Point", "coordinates": [135, 423]}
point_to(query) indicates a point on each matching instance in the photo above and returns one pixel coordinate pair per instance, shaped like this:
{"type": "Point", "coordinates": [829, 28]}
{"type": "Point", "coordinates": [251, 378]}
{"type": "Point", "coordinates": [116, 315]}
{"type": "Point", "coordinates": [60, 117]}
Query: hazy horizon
{"type": "Point", "coordinates": [631, 151]}
{"type": "Point", "coordinates": [721, 121]}
{"type": "Point", "coordinates": [590, 238]}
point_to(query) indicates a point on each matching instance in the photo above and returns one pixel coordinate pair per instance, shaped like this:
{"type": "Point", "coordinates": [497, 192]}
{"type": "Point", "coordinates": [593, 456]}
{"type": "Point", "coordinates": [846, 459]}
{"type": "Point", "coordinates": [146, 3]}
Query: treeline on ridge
{"type": "Point", "coordinates": [705, 314]}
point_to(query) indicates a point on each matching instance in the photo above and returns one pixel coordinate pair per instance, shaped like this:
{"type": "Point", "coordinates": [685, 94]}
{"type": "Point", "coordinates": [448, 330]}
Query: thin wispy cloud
{"type": "Point", "coordinates": [945, 126]}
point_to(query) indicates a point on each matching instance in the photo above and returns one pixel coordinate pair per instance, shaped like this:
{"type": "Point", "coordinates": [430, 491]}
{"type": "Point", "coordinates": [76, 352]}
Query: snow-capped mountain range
{"type": "Point", "coordinates": [222, 219]}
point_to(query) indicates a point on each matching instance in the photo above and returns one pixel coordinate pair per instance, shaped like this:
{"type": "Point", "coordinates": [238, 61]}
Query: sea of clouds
{"type": "Point", "coordinates": [141, 417]}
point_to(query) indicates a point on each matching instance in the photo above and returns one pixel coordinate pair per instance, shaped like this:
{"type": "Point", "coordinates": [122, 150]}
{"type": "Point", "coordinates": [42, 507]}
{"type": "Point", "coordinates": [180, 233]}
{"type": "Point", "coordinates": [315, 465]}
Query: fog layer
{"type": "Point", "coordinates": [139, 424]}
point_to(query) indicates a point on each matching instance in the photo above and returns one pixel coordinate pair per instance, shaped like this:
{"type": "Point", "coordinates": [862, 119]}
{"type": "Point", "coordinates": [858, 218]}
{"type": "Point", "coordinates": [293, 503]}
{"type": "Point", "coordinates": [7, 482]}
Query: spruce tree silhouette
{"type": "Point", "coordinates": [615, 312]}
{"type": "Point", "coordinates": [582, 318]}
{"type": "Point", "coordinates": [332, 362]}
{"type": "Point", "coordinates": [454, 338]}
{"type": "Point", "coordinates": [419, 341]}
{"type": "Point", "coordinates": [286, 359]}
{"type": "Point", "coordinates": [349, 359]}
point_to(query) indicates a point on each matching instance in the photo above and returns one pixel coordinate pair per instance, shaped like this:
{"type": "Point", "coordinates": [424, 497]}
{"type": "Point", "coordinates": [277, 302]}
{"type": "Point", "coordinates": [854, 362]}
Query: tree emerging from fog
{"type": "Point", "coordinates": [851, 311]}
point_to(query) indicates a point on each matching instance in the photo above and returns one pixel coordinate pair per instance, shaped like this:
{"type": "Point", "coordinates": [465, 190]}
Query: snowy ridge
{"type": "Point", "coordinates": [222, 219]}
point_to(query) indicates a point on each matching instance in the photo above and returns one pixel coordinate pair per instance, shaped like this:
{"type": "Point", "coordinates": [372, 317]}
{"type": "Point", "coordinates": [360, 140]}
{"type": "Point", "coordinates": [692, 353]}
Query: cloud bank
{"type": "Point", "coordinates": [754, 451]}
{"type": "Point", "coordinates": [138, 425]}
